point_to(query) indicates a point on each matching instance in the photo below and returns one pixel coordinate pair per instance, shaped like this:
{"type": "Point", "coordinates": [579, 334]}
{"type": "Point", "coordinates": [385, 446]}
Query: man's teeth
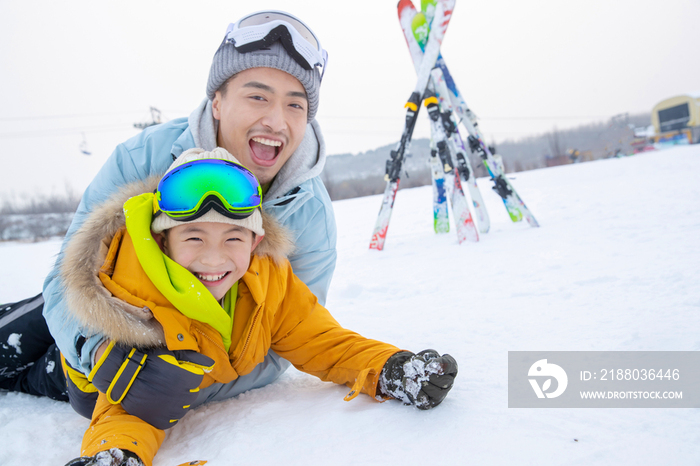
{"type": "Point", "coordinates": [211, 278]}
{"type": "Point", "coordinates": [267, 142]}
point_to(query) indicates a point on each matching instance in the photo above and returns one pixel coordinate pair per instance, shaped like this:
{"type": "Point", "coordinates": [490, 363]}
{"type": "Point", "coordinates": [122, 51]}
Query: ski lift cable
{"type": "Point", "coordinates": [64, 131]}
{"type": "Point", "coordinates": [156, 117]}
{"type": "Point", "coordinates": [61, 117]}
{"type": "Point", "coordinates": [485, 117]}
{"type": "Point", "coordinates": [334, 117]}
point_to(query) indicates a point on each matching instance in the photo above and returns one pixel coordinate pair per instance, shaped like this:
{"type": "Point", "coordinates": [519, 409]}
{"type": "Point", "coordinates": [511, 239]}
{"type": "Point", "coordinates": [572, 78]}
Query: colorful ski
{"type": "Point", "coordinates": [405, 14]}
{"type": "Point", "coordinates": [443, 13]}
{"type": "Point", "coordinates": [517, 210]}
{"type": "Point", "coordinates": [457, 147]}
{"type": "Point", "coordinates": [441, 218]}
{"type": "Point", "coordinates": [464, 223]}
{"type": "Point", "coordinates": [416, 30]}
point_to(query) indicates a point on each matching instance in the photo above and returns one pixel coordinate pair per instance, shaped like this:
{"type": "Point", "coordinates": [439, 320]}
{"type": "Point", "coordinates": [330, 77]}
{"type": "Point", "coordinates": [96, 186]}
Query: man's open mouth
{"type": "Point", "coordinates": [265, 150]}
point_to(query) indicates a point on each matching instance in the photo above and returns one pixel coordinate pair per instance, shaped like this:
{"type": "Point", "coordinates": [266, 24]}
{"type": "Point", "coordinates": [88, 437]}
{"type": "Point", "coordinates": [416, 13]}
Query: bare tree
{"type": "Point", "coordinates": [555, 144]}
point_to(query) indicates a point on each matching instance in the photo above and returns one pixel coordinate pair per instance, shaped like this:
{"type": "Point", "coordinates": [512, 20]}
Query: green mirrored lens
{"type": "Point", "coordinates": [184, 188]}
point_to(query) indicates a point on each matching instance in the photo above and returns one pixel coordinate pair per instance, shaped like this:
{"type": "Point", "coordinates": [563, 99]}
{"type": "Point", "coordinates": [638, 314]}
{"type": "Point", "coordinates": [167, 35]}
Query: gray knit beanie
{"type": "Point", "coordinates": [228, 61]}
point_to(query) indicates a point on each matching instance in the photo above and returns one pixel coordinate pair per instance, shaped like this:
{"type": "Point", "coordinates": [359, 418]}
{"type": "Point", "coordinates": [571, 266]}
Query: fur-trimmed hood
{"type": "Point", "coordinates": [93, 306]}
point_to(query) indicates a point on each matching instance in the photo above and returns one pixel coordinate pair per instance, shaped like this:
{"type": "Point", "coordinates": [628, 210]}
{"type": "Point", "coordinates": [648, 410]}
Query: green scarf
{"type": "Point", "coordinates": [177, 284]}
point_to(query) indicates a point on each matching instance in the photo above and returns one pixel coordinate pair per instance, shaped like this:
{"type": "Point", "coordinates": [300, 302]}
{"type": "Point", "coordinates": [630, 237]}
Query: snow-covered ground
{"type": "Point", "coordinates": [614, 266]}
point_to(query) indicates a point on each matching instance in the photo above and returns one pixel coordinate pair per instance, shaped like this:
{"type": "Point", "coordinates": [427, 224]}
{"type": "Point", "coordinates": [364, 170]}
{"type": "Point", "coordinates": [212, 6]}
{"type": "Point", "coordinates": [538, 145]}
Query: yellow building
{"type": "Point", "coordinates": [677, 119]}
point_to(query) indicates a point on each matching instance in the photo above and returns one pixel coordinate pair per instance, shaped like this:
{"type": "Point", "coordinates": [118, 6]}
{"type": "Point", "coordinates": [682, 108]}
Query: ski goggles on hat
{"type": "Point", "coordinates": [262, 29]}
{"type": "Point", "coordinates": [190, 190]}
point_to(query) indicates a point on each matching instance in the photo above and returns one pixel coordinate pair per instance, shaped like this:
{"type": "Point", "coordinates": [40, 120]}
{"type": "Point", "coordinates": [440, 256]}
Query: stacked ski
{"type": "Point", "coordinates": [446, 107]}
{"type": "Point", "coordinates": [441, 219]}
{"type": "Point", "coordinates": [416, 30]}
{"type": "Point", "coordinates": [464, 223]}
{"type": "Point", "coordinates": [517, 210]}
{"type": "Point", "coordinates": [457, 147]}
{"type": "Point", "coordinates": [443, 13]}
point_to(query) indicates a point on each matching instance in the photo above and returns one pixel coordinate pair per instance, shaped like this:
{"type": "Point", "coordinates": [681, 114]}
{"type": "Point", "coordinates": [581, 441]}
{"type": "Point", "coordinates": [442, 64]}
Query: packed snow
{"type": "Point", "coordinates": [614, 266]}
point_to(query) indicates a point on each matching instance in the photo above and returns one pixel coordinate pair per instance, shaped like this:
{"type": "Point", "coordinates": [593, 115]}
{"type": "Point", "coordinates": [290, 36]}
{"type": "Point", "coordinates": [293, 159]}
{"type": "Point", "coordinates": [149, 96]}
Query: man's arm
{"type": "Point", "coordinates": [314, 229]}
{"type": "Point", "coordinates": [306, 334]}
{"type": "Point", "coordinates": [71, 338]}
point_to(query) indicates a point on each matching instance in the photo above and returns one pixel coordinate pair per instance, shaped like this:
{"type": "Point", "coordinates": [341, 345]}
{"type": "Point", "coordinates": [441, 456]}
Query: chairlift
{"type": "Point", "coordinates": [156, 119]}
{"type": "Point", "coordinates": [84, 147]}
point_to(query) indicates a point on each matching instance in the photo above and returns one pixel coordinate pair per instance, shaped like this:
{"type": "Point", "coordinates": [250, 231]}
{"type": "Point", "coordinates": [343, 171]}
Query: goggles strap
{"type": "Point", "coordinates": [324, 54]}
{"type": "Point", "coordinates": [211, 202]}
{"type": "Point", "coordinates": [282, 34]}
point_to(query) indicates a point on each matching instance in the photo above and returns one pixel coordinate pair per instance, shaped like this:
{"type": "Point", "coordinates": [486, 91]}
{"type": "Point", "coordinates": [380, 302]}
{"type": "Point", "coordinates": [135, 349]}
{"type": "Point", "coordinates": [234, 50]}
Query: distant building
{"type": "Point", "coordinates": [677, 120]}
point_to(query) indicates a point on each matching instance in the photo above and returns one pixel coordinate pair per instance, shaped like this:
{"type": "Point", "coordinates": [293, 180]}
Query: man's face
{"type": "Point", "coordinates": [218, 254]}
{"type": "Point", "coordinates": [262, 119]}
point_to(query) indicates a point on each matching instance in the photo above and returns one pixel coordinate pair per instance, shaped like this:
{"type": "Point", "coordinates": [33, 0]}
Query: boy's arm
{"type": "Point", "coordinates": [308, 336]}
{"type": "Point", "coordinates": [112, 427]}
{"type": "Point", "coordinates": [319, 346]}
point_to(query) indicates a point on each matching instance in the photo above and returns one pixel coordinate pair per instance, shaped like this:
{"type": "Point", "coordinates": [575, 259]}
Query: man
{"type": "Point", "coordinates": [262, 98]}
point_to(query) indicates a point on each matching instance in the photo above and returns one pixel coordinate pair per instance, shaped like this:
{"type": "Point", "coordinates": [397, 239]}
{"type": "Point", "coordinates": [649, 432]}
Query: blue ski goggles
{"type": "Point", "coordinates": [192, 189]}
{"type": "Point", "coordinates": [262, 29]}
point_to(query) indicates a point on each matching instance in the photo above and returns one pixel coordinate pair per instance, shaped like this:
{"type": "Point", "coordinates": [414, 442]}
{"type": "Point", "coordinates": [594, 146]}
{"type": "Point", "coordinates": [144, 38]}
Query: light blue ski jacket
{"type": "Point", "coordinates": [297, 197]}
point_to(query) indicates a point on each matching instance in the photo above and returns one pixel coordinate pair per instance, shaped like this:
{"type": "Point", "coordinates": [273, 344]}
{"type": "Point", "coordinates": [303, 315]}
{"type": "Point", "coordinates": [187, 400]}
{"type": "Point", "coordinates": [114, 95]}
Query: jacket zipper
{"type": "Point", "coordinates": [247, 340]}
{"type": "Point", "coordinates": [216, 343]}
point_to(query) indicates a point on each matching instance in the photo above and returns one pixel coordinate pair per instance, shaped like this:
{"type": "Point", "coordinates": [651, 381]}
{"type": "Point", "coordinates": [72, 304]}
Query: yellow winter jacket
{"type": "Point", "coordinates": [273, 310]}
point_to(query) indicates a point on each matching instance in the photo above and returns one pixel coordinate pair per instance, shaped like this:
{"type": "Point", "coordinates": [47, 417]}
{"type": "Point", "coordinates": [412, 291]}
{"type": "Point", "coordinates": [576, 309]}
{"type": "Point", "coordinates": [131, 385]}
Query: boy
{"type": "Point", "coordinates": [199, 268]}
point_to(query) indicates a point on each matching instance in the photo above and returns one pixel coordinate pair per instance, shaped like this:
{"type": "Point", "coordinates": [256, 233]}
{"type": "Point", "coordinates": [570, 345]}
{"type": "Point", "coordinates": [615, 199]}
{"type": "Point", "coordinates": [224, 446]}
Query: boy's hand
{"type": "Point", "coordinates": [112, 457]}
{"type": "Point", "coordinates": [421, 379]}
{"type": "Point", "coordinates": [158, 386]}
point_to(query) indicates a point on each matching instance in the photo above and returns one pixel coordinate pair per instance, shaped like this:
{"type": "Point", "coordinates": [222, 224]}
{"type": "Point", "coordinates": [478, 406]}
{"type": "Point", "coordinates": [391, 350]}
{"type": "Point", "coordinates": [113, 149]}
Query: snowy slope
{"type": "Point", "coordinates": [613, 267]}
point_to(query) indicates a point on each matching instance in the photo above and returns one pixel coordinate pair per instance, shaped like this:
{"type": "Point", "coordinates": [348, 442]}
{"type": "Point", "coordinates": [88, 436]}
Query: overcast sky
{"type": "Point", "coordinates": [87, 70]}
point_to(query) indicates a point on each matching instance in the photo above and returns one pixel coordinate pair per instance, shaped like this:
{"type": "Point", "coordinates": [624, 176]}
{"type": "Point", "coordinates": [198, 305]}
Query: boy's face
{"type": "Point", "coordinates": [217, 254]}
{"type": "Point", "coordinates": [262, 119]}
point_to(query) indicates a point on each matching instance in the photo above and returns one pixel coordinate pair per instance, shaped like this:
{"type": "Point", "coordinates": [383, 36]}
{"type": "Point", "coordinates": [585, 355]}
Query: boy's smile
{"type": "Point", "coordinates": [218, 254]}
